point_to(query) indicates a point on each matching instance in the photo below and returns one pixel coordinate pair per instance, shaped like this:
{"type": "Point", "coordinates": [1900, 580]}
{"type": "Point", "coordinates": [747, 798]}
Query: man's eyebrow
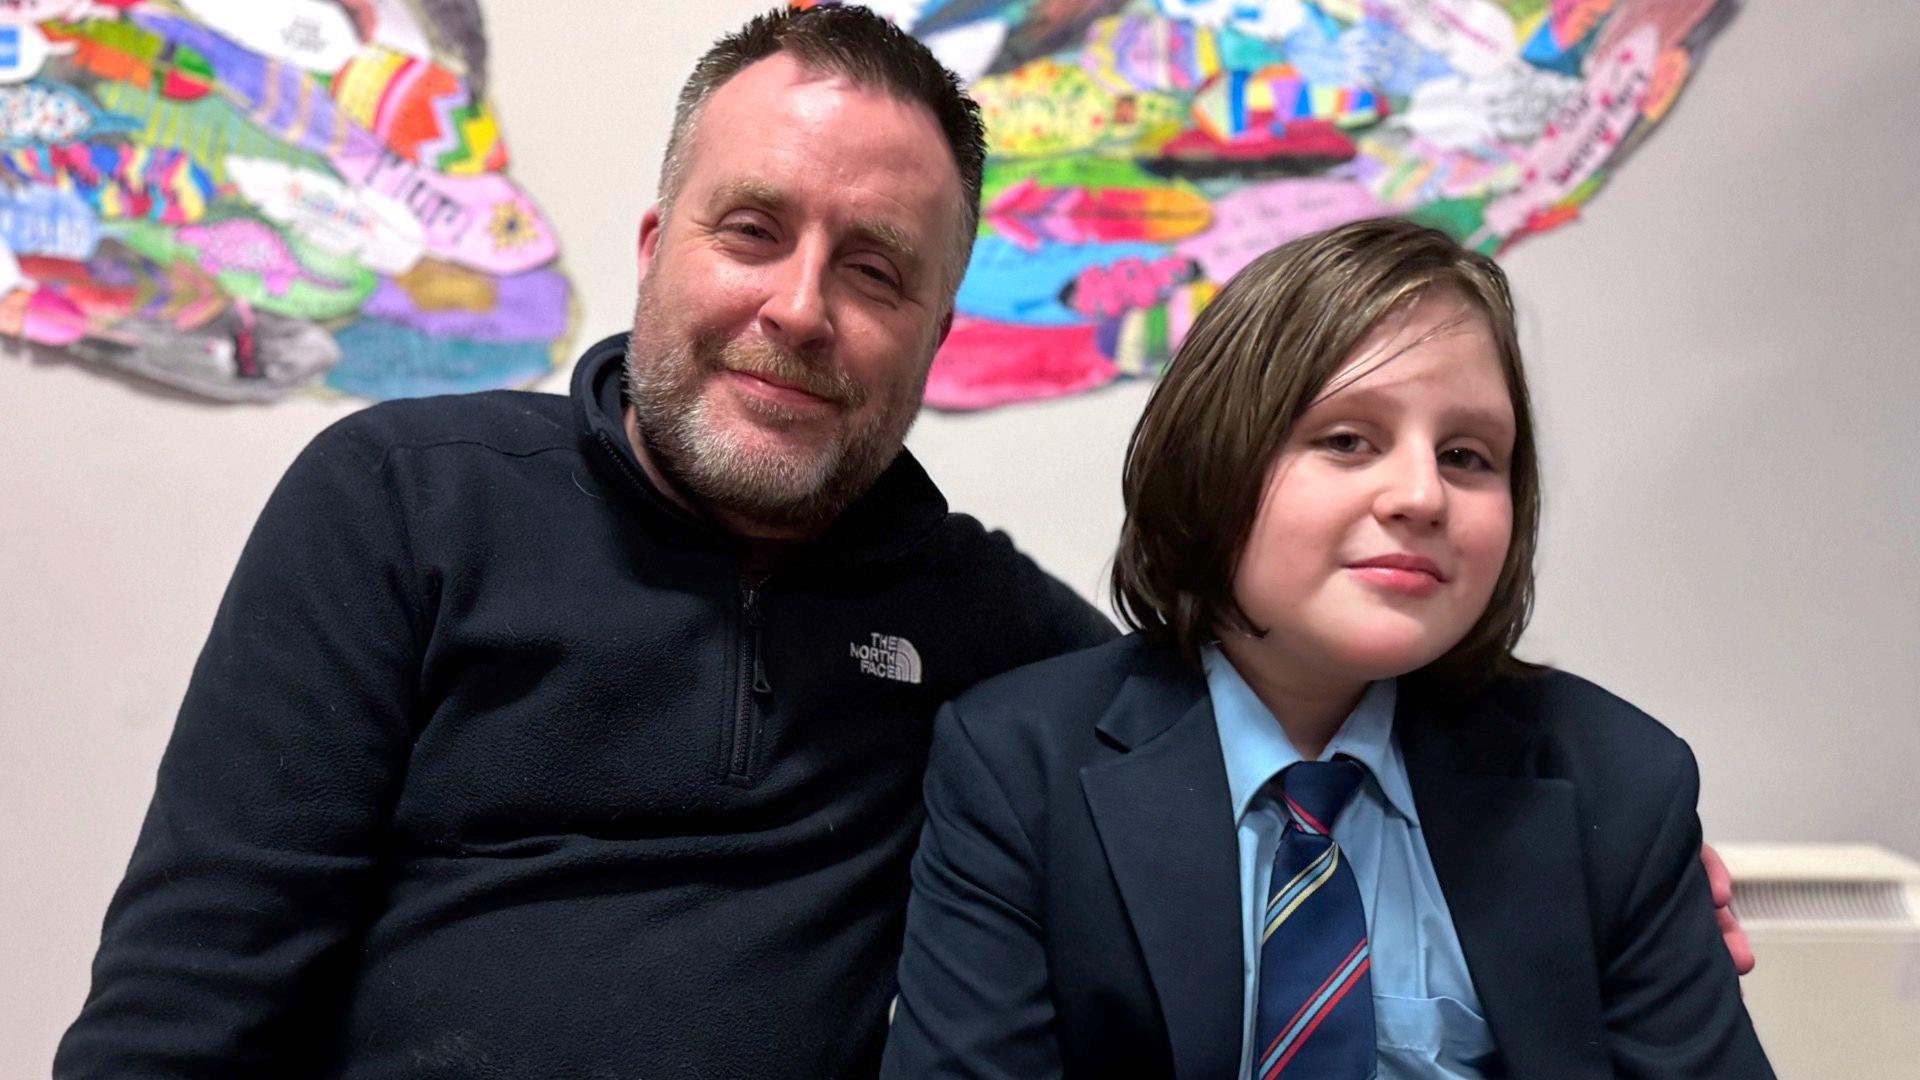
{"type": "Point", "coordinates": [755, 192]}
{"type": "Point", "coordinates": [890, 238]}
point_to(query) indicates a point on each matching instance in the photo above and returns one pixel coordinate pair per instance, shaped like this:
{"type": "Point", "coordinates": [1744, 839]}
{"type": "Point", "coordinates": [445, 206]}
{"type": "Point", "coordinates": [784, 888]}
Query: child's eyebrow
{"type": "Point", "coordinates": [1485, 421]}
{"type": "Point", "coordinates": [1472, 417]}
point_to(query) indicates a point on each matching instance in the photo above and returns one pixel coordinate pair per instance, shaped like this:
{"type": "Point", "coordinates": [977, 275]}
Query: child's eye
{"type": "Point", "coordinates": [1461, 457]}
{"type": "Point", "coordinates": [1344, 442]}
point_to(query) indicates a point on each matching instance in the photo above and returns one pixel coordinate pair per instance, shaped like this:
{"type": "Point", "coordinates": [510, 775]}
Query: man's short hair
{"type": "Point", "coordinates": [1253, 362]}
{"type": "Point", "coordinates": [862, 47]}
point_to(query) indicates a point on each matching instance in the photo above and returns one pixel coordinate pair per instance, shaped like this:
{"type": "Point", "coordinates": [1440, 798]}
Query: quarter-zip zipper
{"type": "Point", "coordinates": [752, 680]}
{"type": "Point", "coordinates": [751, 671]}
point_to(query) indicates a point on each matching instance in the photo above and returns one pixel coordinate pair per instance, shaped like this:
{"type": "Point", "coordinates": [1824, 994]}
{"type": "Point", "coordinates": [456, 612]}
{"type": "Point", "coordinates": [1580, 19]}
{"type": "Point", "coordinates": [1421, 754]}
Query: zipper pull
{"type": "Point", "coordinates": [750, 600]}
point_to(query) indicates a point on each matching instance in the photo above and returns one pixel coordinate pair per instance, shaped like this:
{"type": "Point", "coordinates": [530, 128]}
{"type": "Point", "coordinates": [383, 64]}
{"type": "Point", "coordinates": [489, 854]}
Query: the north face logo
{"type": "Point", "coordinates": [888, 657]}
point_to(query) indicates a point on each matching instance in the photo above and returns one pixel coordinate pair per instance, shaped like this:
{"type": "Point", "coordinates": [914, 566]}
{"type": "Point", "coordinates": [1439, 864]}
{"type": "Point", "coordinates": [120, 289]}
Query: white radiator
{"type": "Point", "coordinates": [1836, 932]}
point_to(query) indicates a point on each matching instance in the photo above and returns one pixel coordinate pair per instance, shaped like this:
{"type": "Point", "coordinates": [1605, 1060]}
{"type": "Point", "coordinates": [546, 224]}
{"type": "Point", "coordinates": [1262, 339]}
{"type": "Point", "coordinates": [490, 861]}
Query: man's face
{"type": "Point", "coordinates": [792, 299]}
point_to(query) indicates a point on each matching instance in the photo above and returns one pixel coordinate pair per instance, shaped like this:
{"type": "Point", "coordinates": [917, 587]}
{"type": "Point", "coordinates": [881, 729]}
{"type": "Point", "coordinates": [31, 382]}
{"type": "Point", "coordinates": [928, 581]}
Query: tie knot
{"type": "Point", "coordinates": [1314, 791]}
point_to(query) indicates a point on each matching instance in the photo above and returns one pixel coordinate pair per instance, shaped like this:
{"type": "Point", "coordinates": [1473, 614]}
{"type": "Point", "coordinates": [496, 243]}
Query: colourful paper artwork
{"type": "Point", "coordinates": [243, 200]}
{"type": "Point", "coordinates": [1140, 152]}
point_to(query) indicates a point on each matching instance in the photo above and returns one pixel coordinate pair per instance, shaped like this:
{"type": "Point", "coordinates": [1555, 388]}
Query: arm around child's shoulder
{"type": "Point", "coordinates": [1669, 993]}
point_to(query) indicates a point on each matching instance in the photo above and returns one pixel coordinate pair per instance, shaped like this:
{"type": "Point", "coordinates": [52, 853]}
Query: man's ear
{"type": "Point", "coordinates": [946, 327]}
{"type": "Point", "coordinates": [650, 226]}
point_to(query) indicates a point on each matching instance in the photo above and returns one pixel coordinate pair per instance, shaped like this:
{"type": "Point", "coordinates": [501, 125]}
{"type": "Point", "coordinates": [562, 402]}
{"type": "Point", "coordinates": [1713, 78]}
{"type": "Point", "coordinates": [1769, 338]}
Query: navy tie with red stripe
{"type": "Point", "coordinates": [1315, 1012]}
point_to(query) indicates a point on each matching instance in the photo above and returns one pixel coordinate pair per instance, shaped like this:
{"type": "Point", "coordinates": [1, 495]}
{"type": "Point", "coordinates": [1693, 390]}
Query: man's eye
{"type": "Point", "coordinates": [748, 229]}
{"type": "Point", "coordinates": [879, 274]}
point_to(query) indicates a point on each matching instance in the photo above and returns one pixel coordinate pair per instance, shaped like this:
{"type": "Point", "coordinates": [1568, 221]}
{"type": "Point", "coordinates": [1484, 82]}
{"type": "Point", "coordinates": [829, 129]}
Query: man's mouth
{"type": "Point", "coordinates": [781, 389]}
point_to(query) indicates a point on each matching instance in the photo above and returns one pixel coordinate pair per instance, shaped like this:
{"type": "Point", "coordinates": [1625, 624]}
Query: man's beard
{"type": "Point", "coordinates": [728, 470]}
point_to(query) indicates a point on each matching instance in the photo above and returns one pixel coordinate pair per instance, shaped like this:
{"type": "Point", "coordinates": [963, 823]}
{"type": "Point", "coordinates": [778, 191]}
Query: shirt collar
{"type": "Point", "coordinates": [1256, 749]}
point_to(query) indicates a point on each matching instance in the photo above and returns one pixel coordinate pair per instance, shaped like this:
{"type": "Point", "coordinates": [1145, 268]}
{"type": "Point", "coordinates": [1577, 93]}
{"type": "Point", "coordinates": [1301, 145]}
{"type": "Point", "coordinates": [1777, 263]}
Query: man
{"type": "Point", "coordinates": [548, 740]}
{"type": "Point", "coordinates": [538, 738]}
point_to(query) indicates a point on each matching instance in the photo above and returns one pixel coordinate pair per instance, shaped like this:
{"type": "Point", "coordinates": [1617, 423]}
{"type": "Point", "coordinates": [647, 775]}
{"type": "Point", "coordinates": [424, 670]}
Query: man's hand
{"type": "Point", "coordinates": [1721, 883]}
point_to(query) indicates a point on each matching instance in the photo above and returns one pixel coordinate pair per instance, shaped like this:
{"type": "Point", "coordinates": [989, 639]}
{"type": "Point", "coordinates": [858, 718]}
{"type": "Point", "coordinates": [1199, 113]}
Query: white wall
{"type": "Point", "coordinates": [1722, 356]}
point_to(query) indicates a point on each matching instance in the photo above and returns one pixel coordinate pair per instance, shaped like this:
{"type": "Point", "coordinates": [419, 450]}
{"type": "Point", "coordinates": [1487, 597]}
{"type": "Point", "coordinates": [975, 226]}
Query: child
{"type": "Point", "coordinates": [1314, 819]}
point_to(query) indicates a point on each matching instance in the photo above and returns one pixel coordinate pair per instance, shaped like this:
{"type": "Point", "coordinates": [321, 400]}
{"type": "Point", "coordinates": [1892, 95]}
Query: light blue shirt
{"type": "Point", "coordinates": [1427, 1019]}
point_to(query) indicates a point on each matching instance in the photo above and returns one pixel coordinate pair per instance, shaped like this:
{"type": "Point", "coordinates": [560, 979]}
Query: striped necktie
{"type": "Point", "coordinates": [1315, 1013]}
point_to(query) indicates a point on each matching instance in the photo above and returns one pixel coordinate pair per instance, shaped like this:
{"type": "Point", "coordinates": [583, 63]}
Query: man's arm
{"type": "Point", "coordinates": [974, 999]}
{"type": "Point", "coordinates": [1720, 885]}
{"type": "Point", "coordinates": [258, 850]}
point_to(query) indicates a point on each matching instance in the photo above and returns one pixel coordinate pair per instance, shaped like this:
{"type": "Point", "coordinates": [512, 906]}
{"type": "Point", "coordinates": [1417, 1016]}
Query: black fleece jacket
{"type": "Point", "coordinates": [498, 764]}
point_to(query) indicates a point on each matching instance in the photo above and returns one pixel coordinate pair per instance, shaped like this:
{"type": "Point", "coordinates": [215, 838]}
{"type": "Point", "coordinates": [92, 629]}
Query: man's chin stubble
{"type": "Point", "coordinates": [751, 474]}
{"type": "Point", "coordinates": [753, 484]}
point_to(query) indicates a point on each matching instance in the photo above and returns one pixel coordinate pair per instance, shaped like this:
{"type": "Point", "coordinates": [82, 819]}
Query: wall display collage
{"type": "Point", "coordinates": [243, 200]}
{"type": "Point", "coordinates": [1140, 152]}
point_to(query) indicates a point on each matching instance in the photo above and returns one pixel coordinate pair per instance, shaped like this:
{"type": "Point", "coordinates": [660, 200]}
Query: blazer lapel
{"type": "Point", "coordinates": [1506, 848]}
{"type": "Point", "coordinates": [1166, 823]}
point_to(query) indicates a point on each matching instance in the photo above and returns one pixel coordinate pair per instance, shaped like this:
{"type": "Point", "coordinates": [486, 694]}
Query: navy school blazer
{"type": "Point", "coordinates": [1076, 902]}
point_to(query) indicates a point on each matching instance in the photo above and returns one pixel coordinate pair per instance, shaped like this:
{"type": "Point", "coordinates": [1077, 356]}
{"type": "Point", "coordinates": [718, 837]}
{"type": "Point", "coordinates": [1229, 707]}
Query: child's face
{"type": "Point", "coordinates": [1388, 511]}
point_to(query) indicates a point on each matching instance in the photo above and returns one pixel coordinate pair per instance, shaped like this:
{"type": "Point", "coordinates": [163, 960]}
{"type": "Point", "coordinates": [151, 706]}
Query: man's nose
{"type": "Point", "coordinates": [796, 313]}
{"type": "Point", "coordinates": [1412, 490]}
